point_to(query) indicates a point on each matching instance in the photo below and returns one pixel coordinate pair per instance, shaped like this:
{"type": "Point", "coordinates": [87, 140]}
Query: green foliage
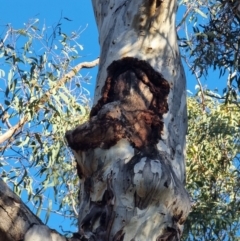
{"type": "Point", "coordinates": [35, 160]}
{"type": "Point", "coordinates": [213, 42]}
{"type": "Point", "coordinates": [209, 39]}
{"type": "Point", "coordinates": [213, 146]}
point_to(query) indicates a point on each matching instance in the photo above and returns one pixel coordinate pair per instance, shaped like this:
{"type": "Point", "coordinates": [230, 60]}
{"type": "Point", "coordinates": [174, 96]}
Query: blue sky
{"type": "Point", "coordinates": [18, 12]}
{"type": "Point", "coordinates": [81, 13]}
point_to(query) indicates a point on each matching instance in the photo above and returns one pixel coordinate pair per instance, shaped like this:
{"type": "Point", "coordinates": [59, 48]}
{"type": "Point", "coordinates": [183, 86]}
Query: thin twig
{"type": "Point", "coordinates": [5, 117]}
{"type": "Point", "coordinates": [223, 98]}
{"type": "Point", "coordinates": [184, 17]}
{"type": "Point", "coordinates": [199, 84]}
{"type": "Point", "coordinates": [72, 198]}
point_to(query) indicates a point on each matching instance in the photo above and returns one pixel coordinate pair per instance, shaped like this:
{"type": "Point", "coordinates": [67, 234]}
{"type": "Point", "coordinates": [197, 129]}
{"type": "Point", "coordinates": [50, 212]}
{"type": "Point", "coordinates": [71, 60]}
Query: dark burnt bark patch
{"type": "Point", "coordinates": [144, 72]}
{"type": "Point", "coordinates": [134, 99]}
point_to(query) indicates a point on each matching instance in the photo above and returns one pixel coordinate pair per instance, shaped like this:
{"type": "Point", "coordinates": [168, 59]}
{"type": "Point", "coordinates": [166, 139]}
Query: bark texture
{"type": "Point", "coordinates": [131, 152]}
{"type": "Point", "coordinates": [18, 223]}
{"type": "Point", "coordinates": [14, 215]}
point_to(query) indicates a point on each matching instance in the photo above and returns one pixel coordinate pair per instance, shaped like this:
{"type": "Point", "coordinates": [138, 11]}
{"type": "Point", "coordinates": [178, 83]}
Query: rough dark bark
{"type": "Point", "coordinates": [134, 98]}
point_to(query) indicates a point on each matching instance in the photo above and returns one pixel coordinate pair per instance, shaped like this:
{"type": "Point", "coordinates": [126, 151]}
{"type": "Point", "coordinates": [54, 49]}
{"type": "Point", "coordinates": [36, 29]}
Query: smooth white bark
{"type": "Point", "coordinates": [123, 31]}
{"type": "Point", "coordinates": [127, 192]}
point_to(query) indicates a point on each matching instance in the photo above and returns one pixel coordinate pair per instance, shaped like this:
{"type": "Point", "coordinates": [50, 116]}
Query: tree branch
{"type": "Point", "coordinates": [16, 219]}
{"type": "Point", "coordinates": [9, 133]}
{"type": "Point", "coordinates": [16, 215]}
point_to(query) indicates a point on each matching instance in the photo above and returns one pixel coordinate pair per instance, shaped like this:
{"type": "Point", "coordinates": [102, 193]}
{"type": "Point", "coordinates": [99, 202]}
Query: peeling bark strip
{"type": "Point", "coordinates": [128, 188]}
{"type": "Point", "coordinates": [134, 98]}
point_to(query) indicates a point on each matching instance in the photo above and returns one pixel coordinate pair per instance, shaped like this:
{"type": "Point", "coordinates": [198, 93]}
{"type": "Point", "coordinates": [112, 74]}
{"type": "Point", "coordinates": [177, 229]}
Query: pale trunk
{"type": "Point", "coordinates": [131, 165]}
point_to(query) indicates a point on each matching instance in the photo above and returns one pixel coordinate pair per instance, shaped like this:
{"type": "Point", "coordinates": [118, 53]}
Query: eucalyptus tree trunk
{"type": "Point", "coordinates": [131, 152]}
